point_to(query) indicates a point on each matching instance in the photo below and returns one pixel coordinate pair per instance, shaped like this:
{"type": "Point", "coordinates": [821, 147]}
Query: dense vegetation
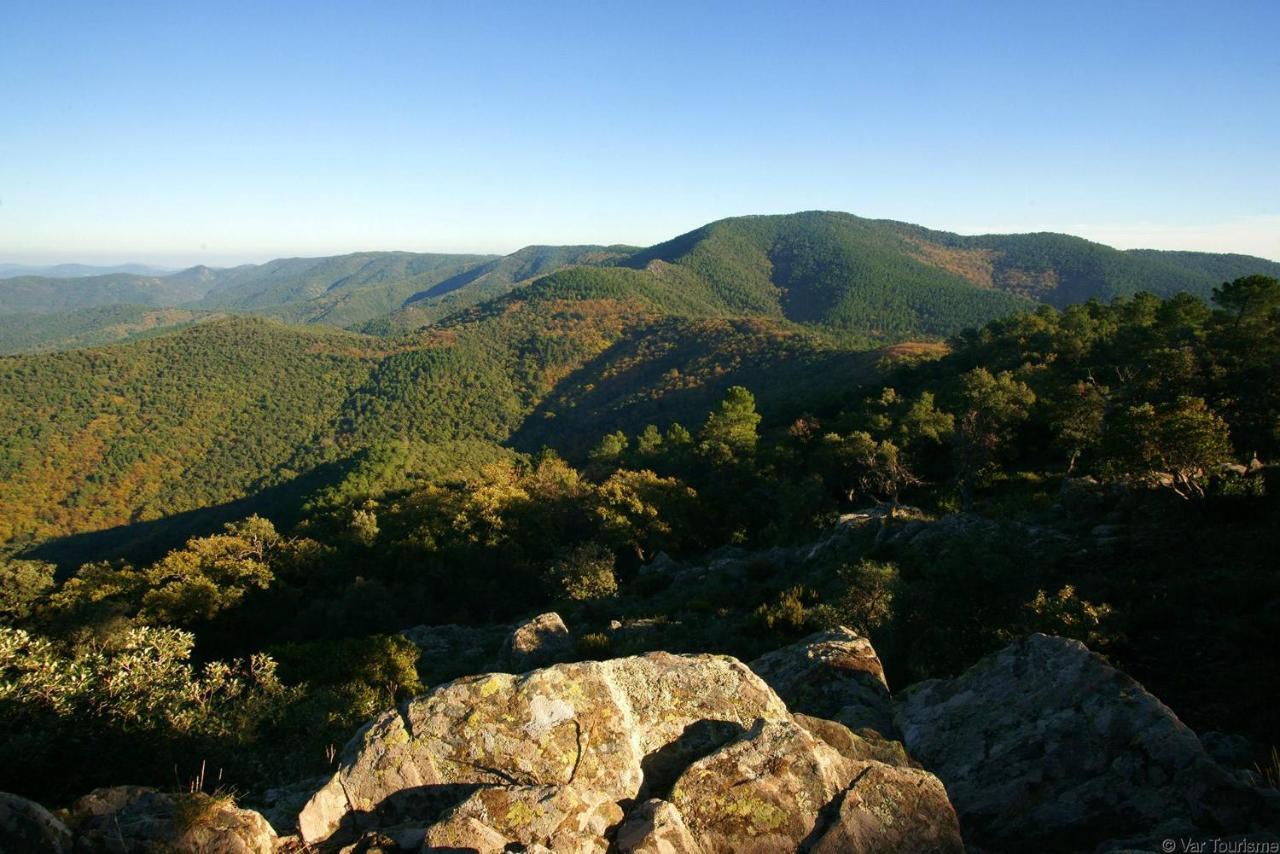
{"type": "Point", "coordinates": [1112, 457]}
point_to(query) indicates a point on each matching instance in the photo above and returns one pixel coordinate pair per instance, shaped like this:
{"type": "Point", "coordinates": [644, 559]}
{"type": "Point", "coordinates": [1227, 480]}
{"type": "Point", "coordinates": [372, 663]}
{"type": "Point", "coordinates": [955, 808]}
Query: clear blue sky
{"type": "Point", "coordinates": [224, 131]}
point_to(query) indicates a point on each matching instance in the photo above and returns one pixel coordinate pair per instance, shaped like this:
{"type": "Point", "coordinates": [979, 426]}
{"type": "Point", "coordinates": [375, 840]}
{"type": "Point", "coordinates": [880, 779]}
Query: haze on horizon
{"type": "Point", "coordinates": [174, 135]}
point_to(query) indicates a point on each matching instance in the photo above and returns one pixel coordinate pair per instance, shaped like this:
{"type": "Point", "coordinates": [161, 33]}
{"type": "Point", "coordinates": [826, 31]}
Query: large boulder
{"type": "Point", "coordinates": [656, 754]}
{"type": "Point", "coordinates": [537, 642]}
{"type": "Point", "coordinates": [143, 820]}
{"type": "Point", "coordinates": [620, 727]}
{"type": "Point", "coordinates": [778, 788]}
{"type": "Point", "coordinates": [27, 826]}
{"type": "Point", "coordinates": [834, 674]}
{"type": "Point", "coordinates": [1044, 746]}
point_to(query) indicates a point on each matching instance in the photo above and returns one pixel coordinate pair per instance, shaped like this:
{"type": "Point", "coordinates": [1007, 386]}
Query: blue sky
{"type": "Point", "coordinates": [219, 132]}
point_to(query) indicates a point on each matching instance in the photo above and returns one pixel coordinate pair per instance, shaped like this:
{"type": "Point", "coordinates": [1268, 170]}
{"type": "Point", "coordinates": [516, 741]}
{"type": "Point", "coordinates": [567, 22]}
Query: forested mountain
{"type": "Point", "coordinates": [1085, 473]}
{"type": "Point", "coordinates": [886, 277]}
{"type": "Point", "coordinates": [216, 412]}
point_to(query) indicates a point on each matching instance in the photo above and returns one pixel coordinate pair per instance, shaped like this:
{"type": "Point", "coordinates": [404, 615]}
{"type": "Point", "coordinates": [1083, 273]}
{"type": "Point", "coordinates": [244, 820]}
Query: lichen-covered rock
{"type": "Point", "coordinates": [779, 788]}
{"type": "Point", "coordinates": [1044, 746]}
{"type": "Point", "coordinates": [621, 728]}
{"type": "Point", "coordinates": [27, 826]}
{"type": "Point", "coordinates": [761, 793]}
{"type": "Point", "coordinates": [853, 746]}
{"type": "Point", "coordinates": [656, 827]}
{"type": "Point", "coordinates": [494, 819]}
{"type": "Point", "coordinates": [834, 674]}
{"type": "Point", "coordinates": [537, 642]}
{"type": "Point", "coordinates": [888, 808]}
{"type": "Point", "coordinates": [138, 819]}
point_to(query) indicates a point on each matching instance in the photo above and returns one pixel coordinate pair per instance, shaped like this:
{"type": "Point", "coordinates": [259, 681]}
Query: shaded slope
{"type": "Point", "coordinates": [675, 370]}
{"type": "Point", "coordinates": [489, 280]}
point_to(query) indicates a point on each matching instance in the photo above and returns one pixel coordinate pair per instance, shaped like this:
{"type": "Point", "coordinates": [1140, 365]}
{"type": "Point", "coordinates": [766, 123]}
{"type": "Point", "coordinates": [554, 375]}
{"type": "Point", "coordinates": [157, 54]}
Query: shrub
{"type": "Point", "coordinates": [586, 573]}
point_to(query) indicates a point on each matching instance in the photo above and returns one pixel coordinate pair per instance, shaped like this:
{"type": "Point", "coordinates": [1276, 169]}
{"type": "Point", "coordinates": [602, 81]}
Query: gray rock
{"type": "Point", "coordinates": [702, 753]}
{"type": "Point", "coordinates": [778, 788]}
{"type": "Point", "coordinates": [1044, 746]}
{"type": "Point", "coordinates": [280, 805]}
{"type": "Point", "coordinates": [834, 674]}
{"type": "Point", "coordinates": [662, 564]}
{"type": "Point", "coordinates": [537, 642]}
{"type": "Point", "coordinates": [618, 728]}
{"type": "Point", "coordinates": [27, 826]}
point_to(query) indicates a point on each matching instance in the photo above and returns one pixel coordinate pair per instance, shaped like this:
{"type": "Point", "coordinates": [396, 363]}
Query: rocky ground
{"type": "Point", "coordinates": [1042, 746]}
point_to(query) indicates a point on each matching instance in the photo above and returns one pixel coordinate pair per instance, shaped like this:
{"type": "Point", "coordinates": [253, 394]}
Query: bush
{"type": "Point", "coordinates": [586, 573]}
{"type": "Point", "coordinates": [790, 613]}
{"type": "Point", "coordinates": [23, 585]}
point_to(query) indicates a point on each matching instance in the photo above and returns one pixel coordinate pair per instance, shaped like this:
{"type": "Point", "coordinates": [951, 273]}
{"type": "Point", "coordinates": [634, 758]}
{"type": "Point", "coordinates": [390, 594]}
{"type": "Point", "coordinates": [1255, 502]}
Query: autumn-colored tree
{"type": "Point", "coordinates": [640, 510]}
{"type": "Point", "coordinates": [211, 574]}
{"type": "Point", "coordinates": [585, 573]}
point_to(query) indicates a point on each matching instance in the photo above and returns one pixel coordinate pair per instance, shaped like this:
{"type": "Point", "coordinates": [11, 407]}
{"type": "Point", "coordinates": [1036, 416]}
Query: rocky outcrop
{"type": "Point", "coordinates": [778, 788]}
{"type": "Point", "coordinates": [27, 826]}
{"type": "Point", "coordinates": [628, 751]}
{"type": "Point", "coordinates": [613, 726]}
{"type": "Point", "coordinates": [835, 675]}
{"type": "Point", "coordinates": [537, 642]}
{"type": "Point", "coordinates": [1044, 746]}
{"type": "Point", "coordinates": [138, 819]}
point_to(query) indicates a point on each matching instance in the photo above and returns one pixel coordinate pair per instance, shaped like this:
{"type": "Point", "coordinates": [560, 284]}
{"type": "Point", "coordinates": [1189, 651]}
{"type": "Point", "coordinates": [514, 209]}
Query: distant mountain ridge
{"type": "Point", "coordinates": [71, 271]}
{"type": "Point", "coordinates": [875, 279]}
